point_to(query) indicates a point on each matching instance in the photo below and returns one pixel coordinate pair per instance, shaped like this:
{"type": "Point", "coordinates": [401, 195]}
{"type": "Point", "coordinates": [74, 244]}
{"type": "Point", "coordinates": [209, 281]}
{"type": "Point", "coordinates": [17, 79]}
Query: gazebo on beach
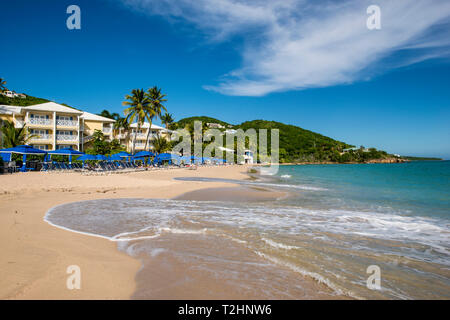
{"type": "Point", "coordinates": [24, 150]}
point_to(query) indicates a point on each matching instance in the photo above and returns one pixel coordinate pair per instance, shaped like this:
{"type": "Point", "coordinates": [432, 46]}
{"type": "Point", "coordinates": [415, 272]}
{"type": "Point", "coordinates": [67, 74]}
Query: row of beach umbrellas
{"type": "Point", "coordinates": [25, 150]}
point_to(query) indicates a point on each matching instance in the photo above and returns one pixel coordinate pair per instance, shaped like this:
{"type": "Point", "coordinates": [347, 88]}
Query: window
{"type": "Point", "coordinates": [64, 132]}
{"type": "Point", "coordinates": [39, 116]}
{"type": "Point", "coordinates": [38, 132]}
{"type": "Point", "coordinates": [41, 147]}
{"type": "Point", "coordinates": [66, 146]}
{"type": "Point", "coordinates": [64, 118]}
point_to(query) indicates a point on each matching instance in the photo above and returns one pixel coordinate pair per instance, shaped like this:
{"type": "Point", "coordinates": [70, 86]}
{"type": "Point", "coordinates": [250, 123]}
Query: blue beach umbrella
{"type": "Point", "coordinates": [86, 157]}
{"type": "Point", "coordinates": [115, 157]}
{"type": "Point", "coordinates": [163, 157]}
{"type": "Point", "coordinates": [142, 154]}
{"type": "Point", "coordinates": [186, 159]}
{"type": "Point", "coordinates": [66, 152]}
{"type": "Point", "coordinates": [101, 157]}
{"type": "Point", "coordinates": [124, 154]}
{"type": "Point", "coordinates": [23, 150]}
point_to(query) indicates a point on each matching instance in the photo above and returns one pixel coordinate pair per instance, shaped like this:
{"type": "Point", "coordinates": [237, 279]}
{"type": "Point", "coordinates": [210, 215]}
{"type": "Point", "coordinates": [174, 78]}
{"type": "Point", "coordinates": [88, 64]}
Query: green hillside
{"type": "Point", "coordinates": [300, 145]}
{"type": "Point", "coordinates": [25, 102]}
{"type": "Point", "coordinates": [21, 102]}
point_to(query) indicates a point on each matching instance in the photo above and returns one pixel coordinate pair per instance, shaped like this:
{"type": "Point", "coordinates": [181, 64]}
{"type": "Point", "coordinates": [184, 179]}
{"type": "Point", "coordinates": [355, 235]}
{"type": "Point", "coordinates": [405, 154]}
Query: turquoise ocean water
{"type": "Point", "coordinates": [415, 188]}
{"type": "Point", "coordinates": [338, 221]}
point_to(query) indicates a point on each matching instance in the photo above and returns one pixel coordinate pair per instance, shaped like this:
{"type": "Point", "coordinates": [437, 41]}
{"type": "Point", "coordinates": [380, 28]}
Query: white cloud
{"type": "Point", "coordinates": [298, 44]}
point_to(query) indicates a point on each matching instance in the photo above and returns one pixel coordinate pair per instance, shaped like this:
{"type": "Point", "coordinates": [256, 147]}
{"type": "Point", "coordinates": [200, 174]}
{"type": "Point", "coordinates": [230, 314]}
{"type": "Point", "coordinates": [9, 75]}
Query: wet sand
{"type": "Point", "coordinates": [211, 266]}
{"type": "Point", "coordinates": [180, 266]}
{"type": "Point", "coordinates": [234, 194]}
{"type": "Point", "coordinates": [35, 255]}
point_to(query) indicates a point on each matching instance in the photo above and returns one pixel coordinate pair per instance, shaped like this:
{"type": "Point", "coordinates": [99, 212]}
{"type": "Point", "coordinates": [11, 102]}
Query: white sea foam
{"type": "Point", "coordinates": [317, 277]}
{"type": "Point", "coordinates": [253, 225]}
{"type": "Point", "coordinates": [279, 245]}
{"type": "Point", "coordinates": [184, 231]}
{"type": "Point", "coordinates": [155, 216]}
{"type": "Point", "coordinates": [287, 186]}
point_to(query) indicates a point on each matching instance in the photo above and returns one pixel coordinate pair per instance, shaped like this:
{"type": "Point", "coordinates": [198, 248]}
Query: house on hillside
{"type": "Point", "coordinates": [230, 131]}
{"type": "Point", "coordinates": [215, 125]}
{"type": "Point", "coordinates": [12, 94]}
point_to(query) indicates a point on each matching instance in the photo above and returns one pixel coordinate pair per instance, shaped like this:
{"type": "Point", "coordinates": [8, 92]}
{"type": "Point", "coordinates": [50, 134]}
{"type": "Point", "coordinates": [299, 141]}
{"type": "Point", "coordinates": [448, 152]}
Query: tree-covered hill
{"type": "Point", "coordinates": [25, 102]}
{"type": "Point", "coordinates": [21, 102]}
{"type": "Point", "coordinates": [300, 145]}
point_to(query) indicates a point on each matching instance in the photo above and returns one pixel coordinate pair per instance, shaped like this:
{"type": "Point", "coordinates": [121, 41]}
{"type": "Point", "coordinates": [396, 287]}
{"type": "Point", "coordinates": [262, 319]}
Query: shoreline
{"type": "Point", "coordinates": [38, 253]}
{"type": "Point", "coordinates": [35, 254]}
{"type": "Point", "coordinates": [377, 161]}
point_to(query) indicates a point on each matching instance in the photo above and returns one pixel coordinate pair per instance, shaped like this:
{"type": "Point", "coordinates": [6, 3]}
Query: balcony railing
{"type": "Point", "coordinates": [140, 145]}
{"type": "Point", "coordinates": [107, 130]}
{"type": "Point", "coordinates": [42, 137]}
{"type": "Point", "coordinates": [143, 136]}
{"type": "Point", "coordinates": [40, 121]}
{"type": "Point", "coordinates": [66, 123]}
{"type": "Point", "coordinates": [65, 137]}
{"type": "Point", "coordinates": [139, 135]}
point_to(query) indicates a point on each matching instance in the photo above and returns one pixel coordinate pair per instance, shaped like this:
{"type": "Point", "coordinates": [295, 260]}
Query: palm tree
{"type": "Point", "coordinates": [105, 113]}
{"type": "Point", "coordinates": [121, 123]}
{"type": "Point", "coordinates": [156, 98]}
{"type": "Point", "coordinates": [3, 84]}
{"type": "Point", "coordinates": [160, 144]}
{"type": "Point", "coordinates": [12, 136]}
{"type": "Point", "coordinates": [138, 110]}
{"type": "Point", "coordinates": [167, 119]}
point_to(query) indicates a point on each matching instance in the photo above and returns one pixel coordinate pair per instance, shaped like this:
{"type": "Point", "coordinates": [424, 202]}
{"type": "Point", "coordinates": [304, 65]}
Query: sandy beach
{"type": "Point", "coordinates": [35, 255]}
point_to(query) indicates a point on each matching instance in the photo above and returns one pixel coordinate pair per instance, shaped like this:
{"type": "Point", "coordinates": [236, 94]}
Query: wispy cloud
{"type": "Point", "coordinates": [299, 44]}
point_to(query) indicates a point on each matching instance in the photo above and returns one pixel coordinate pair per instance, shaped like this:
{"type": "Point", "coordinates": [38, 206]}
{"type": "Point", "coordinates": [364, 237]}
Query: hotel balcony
{"type": "Point", "coordinates": [139, 145]}
{"type": "Point", "coordinates": [107, 130]}
{"type": "Point", "coordinates": [40, 122]}
{"type": "Point", "coordinates": [143, 136]}
{"type": "Point", "coordinates": [66, 123]}
{"type": "Point", "coordinates": [42, 137]}
{"type": "Point", "coordinates": [66, 138]}
{"type": "Point", "coordinates": [138, 135]}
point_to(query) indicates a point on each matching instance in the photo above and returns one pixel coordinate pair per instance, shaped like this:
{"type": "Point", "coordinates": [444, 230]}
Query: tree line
{"type": "Point", "coordinates": [141, 106]}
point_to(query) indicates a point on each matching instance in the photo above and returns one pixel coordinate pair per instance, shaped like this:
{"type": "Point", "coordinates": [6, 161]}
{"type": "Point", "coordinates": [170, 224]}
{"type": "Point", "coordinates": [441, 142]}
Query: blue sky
{"type": "Point", "coordinates": [290, 61]}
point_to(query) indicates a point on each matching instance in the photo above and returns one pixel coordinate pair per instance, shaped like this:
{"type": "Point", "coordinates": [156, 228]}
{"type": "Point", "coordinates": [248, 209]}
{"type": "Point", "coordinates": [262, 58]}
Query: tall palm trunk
{"type": "Point", "coordinates": [135, 136]}
{"type": "Point", "coordinates": [148, 134]}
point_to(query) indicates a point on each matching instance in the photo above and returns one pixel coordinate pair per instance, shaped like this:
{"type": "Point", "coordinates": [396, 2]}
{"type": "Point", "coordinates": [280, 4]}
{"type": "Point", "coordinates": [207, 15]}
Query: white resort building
{"type": "Point", "coordinates": [55, 126]}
